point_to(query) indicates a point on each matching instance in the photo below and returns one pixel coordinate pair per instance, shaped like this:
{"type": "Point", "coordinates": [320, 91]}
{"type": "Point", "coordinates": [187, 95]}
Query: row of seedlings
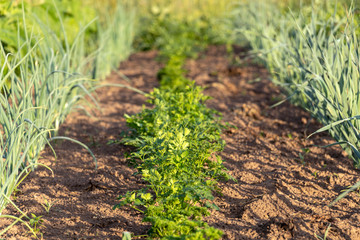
{"type": "Point", "coordinates": [176, 141]}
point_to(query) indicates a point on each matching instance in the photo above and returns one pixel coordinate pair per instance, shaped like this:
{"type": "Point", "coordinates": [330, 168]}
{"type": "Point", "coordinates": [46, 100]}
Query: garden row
{"type": "Point", "coordinates": [52, 53]}
{"type": "Point", "coordinates": [177, 141]}
{"type": "Point", "coordinates": [312, 52]}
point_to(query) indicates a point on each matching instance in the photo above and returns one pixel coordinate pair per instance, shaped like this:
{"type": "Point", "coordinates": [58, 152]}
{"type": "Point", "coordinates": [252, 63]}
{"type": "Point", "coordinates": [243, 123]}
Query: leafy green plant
{"type": "Point", "coordinates": [172, 75]}
{"type": "Point", "coordinates": [178, 138]}
{"type": "Point", "coordinates": [35, 222]}
{"type": "Point", "coordinates": [47, 205]}
{"type": "Point", "coordinates": [302, 155]}
{"type": "Point", "coordinates": [176, 142]}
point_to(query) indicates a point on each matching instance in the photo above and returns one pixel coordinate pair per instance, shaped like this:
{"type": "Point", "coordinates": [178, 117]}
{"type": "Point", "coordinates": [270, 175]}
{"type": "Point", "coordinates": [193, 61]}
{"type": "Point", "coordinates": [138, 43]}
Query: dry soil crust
{"type": "Point", "coordinates": [278, 194]}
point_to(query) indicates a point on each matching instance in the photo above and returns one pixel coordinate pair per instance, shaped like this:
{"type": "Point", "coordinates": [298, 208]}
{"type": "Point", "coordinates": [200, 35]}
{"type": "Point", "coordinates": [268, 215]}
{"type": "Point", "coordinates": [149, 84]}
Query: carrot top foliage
{"type": "Point", "coordinates": [178, 139]}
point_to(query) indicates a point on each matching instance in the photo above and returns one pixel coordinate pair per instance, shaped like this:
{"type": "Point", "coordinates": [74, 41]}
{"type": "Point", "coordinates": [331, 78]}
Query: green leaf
{"type": "Point", "coordinates": [132, 197]}
{"type": "Point", "coordinates": [126, 236]}
{"type": "Point", "coordinates": [138, 202]}
{"type": "Point", "coordinates": [331, 125]}
{"type": "Point", "coordinates": [342, 195]}
{"type": "Point", "coordinates": [212, 206]}
{"type": "Point", "coordinates": [147, 196]}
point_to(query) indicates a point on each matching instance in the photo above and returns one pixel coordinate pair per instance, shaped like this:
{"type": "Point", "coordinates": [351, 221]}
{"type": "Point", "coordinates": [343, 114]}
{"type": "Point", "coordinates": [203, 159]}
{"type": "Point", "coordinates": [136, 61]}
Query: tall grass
{"type": "Point", "coordinates": [42, 82]}
{"type": "Point", "coordinates": [314, 55]}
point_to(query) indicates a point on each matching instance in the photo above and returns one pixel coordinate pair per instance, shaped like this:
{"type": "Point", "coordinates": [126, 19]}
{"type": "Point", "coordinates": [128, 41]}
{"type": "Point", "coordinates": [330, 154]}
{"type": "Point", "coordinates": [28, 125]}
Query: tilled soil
{"type": "Point", "coordinates": [281, 192]}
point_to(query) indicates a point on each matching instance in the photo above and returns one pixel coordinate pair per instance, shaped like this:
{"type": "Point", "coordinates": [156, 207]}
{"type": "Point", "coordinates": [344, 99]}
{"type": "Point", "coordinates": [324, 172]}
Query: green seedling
{"type": "Point", "coordinates": [325, 235]}
{"type": "Point", "coordinates": [290, 136]}
{"type": "Point", "coordinates": [15, 193]}
{"type": "Point", "coordinates": [302, 155]}
{"type": "Point", "coordinates": [47, 205]}
{"type": "Point", "coordinates": [176, 138]}
{"type": "Point", "coordinates": [94, 143]}
{"type": "Point", "coordinates": [35, 222]}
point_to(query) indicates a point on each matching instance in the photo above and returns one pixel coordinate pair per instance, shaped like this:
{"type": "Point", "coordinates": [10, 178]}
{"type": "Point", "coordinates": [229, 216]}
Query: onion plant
{"type": "Point", "coordinates": [41, 83]}
{"type": "Point", "coordinates": [314, 55]}
{"type": "Point", "coordinates": [115, 32]}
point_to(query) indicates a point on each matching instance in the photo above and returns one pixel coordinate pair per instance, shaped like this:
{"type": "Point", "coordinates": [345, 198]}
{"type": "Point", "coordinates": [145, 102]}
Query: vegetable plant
{"type": "Point", "coordinates": [177, 142]}
{"type": "Point", "coordinates": [49, 59]}
{"type": "Point", "coordinates": [312, 53]}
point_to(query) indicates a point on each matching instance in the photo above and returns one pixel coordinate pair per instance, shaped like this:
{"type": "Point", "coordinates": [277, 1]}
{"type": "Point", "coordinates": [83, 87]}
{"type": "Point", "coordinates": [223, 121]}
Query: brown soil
{"type": "Point", "coordinates": [278, 194]}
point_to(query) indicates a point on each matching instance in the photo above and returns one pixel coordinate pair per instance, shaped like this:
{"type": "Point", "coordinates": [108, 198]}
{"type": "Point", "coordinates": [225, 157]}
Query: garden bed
{"type": "Point", "coordinates": [284, 182]}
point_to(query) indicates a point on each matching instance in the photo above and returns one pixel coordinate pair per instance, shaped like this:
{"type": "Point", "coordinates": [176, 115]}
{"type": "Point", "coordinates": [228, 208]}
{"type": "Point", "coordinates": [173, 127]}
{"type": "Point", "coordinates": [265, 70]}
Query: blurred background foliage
{"type": "Point", "coordinates": [209, 19]}
{"type": "Point", "coordinates": [205, 20]}
{"type": "Point", "coordinates": [73, 14]}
